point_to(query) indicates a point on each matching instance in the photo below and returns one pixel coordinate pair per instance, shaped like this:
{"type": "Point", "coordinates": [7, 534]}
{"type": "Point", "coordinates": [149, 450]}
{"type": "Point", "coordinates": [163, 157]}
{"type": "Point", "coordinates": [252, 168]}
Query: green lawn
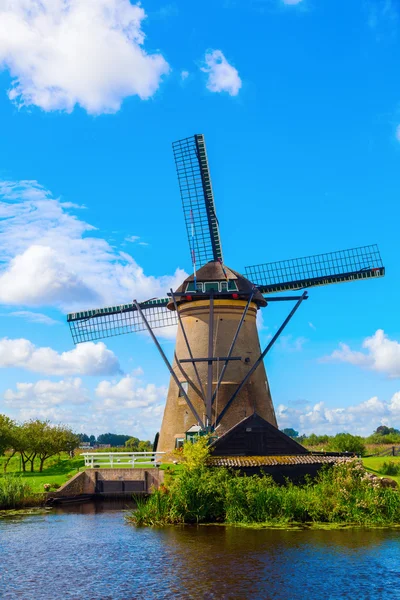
{"type": "Point", "coordinates": [56, 470]}
{"type": "Point", "coordinates": [374, 463]}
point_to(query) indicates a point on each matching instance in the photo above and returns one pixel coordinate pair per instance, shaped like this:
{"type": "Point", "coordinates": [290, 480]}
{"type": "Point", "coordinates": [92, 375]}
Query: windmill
{"type": "Point", "coordinates": [218, 376]}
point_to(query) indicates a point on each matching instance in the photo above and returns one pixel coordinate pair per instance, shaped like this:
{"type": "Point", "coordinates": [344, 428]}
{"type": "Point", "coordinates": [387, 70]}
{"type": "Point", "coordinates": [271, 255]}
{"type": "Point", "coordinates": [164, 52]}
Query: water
{"type": "Point", "coordinates": [89, 552]}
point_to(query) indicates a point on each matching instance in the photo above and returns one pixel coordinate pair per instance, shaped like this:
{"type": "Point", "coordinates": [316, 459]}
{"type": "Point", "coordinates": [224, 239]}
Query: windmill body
{"type": "Point", "coordinates": [218, 379]}
{"type": "Point", "coordinates": [195, 318]}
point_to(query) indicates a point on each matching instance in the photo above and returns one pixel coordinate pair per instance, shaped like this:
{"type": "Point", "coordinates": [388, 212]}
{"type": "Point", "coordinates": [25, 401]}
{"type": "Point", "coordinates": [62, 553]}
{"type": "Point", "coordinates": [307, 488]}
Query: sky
{"type": "Point", "coordinates": [299, 102]}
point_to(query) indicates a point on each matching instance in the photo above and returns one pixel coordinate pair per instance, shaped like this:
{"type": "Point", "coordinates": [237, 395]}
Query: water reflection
{"type": "Point", "coordinates": [88, 551]}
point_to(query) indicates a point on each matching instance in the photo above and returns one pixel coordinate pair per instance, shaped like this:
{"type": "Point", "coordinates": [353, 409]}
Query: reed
{"type": "Point", "coordinates": [15, 493]}
{"type": "Point", "coordinates": [342, 494]}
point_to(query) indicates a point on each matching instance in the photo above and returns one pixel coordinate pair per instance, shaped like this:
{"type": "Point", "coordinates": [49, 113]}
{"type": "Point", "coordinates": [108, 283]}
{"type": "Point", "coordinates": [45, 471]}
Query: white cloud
{"type": "Point", "coordinates": [49, 257]}
{"type": "Point", "coordinates": [290, 344]}
{"type": "Point", "coordinates": [126, 406]}
{"type": "Point", "coordinates": [129, 393]}
{"type": "Point", "coordinates": [184, 75]}
{"type": "Point", "coordinates": [34, 317]}
{"type": "Point", "coordinates": [362, 418]}
{"type": "Point", "coordinates": [59, 401]}
{"type": "Point", "coordinates": [291, 2]}
{"type": "Point", "coordinates": [47, 394]}
{"type": "Point", "coordinates": [132, 238]}
{"type": "Point", "coordinates": [398, 133]}
{"type": "Point", "coordinates": [222, 77]}
{"type": "Point", "coordinates": [85, 359]}
{"type": "Point", "coordinates": [382, 355]}
{"type": "Point", "coordinates": [62, 53]}
{"type": "Point", "coordinates": [312, 326]}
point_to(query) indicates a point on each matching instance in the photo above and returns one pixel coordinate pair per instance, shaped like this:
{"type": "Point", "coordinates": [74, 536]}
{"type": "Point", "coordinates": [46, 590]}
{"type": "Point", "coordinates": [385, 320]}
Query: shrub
{"type": "Point", "coordinates": [345, 442]}
{"type": "Point", "coordinates": [199, 494]}
{"type": "Point", "coordinates": [389, 468]}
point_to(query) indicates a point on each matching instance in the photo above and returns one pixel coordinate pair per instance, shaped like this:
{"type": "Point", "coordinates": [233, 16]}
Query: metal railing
{"type": "Point", "coordinates": [122, 459]}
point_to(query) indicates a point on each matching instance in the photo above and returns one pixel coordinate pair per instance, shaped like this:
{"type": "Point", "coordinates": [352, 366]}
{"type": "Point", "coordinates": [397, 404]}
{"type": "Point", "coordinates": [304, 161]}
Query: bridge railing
{"type": "Point", "coordinates": [122, 459]}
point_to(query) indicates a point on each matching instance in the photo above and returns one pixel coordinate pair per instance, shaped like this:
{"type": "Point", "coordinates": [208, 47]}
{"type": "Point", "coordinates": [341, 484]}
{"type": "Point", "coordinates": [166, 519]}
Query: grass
{"type": "Point", "coordinates": [340, 495]}
{"type": "Point", "coordinates": [16, 493]}
{"type": "Point", "coordinates": [56, 471]}
{"type": "Point", "coordinates": [374, 465]}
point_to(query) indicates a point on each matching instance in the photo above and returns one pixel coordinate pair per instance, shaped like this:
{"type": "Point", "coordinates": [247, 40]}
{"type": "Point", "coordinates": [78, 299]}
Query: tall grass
{"type": "Point", "coordinates": [340, 494]}
{"type": "Point", "coordinates": [15, 493]}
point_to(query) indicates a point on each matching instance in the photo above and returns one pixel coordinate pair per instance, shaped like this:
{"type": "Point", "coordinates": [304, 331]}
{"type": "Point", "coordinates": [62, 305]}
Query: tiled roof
{"type": "Point", "coordinates": [270, 461]}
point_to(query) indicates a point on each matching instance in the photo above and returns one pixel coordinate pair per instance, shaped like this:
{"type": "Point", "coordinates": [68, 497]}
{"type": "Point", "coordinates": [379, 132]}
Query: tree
{"type": "Point", "coordinates": [132, 444]}
{"type": "Point", "coordinates": [92, 440]}
{"type": "Point", "coordinates": [145, 446]}
{"type": "Point", "coordinates": [39, 439]}
{"type": "Point", "coordinates": [291, 432]}
{"type": "Point", "coordinates": [114, 439]}
{"type": "Point", "coordinates": [7, 430]}
{"type": "Point", "coordinates": [83, 437]}
{"type": "Point", "coordinates": [345, 442]}
{"type": "Point", "coordinates": [382, 430]}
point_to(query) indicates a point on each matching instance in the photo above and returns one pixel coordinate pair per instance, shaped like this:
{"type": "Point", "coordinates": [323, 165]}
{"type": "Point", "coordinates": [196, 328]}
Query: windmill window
{"type": "Point", "coordinates": [211, 285]}
{"type": "Point", "coordinates": [232, 287]}
{"type": "Point", "coordinates": [185, 387]}
{"type": "Point", "coordinates": [179, 443]}
{"type": "Point", "coordinates": [191, 287]}
{"type": "Point", "coordinates": [224, 286]}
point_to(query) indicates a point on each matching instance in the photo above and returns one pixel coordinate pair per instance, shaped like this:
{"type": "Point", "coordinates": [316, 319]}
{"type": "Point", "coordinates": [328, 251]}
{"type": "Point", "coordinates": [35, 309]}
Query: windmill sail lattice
{"type": "Point", "coordinates": [90, 325]}
{"type": "Point", "coordinates": [197, 199]}
{"type": "Point", "coordinates": [321, 269]}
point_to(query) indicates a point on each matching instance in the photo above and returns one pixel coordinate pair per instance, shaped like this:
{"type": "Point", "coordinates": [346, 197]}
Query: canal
{"type": "Point", "coordinates": [90, 552]}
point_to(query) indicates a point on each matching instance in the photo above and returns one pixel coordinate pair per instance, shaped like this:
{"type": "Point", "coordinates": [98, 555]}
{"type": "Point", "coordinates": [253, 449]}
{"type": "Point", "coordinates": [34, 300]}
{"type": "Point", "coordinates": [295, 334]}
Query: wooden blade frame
{"type": "Point", "coordinates": [91, 325]}
{"type": "Point", "coordinates": [197, 199]}
{"type": "Point", "coordinates": [321, 269]}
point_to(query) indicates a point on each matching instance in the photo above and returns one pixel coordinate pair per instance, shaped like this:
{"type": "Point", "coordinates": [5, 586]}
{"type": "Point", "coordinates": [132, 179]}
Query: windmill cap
{"type": "Point", "coordinates": [215, 271]}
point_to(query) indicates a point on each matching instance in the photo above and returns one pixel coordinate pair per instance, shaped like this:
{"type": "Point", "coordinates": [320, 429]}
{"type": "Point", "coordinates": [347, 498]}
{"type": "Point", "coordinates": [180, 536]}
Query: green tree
{"type": "Point", "coordinates": [132, 444]}
{"type": "Point", "coordinates": [345, 442]}
{"type": "Point", "coordinates": [114, 439]}
{"type": "Point", "coordinates": [7, 430]}
{"type": "Point", "coordinates": [145, 446]}
{"type": "Point", "coordinates": [39, 439]}
{"type": "Point", "coordinates": [291, 432]}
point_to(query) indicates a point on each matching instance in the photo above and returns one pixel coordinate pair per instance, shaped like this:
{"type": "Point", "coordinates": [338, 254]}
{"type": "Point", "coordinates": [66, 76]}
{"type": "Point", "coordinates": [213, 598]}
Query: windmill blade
{"type": "Point", "coordinates": [197, 199]}
{"type": "Point", "coordinates": [100, 323]}
{"type": "Point", "coordinates": [322, 269]}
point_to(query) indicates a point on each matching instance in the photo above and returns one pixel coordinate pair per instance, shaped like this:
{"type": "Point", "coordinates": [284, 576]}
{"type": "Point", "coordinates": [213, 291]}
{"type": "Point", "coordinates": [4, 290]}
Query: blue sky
{"type": "Point", "coordinates": [300, 106]}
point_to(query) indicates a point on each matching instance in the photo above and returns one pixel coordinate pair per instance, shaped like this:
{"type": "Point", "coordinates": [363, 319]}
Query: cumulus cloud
{"type": "Point", "coordinates": [62, 53]}
{"type": "Point", "coordinates": [49, 256]}
{"type": "Point", "coordinates": [34, 317]}
{"type": "Point", "coordinates": [62, 401]}
{"type": "Point", "coordinates": [47, 394]}
{"type": "Point", "coordinates": [129, 393]}
{"type": "Point", "coordinates": [85, 359]}
{"type": "Point", "coordinates": [222, 77]}
{"type": "Point", "coordinates": [126, 405]}
{"type": "Point", "coordinates": [360, 418]}
{"type": "Point", "coordinates": [382, 355]}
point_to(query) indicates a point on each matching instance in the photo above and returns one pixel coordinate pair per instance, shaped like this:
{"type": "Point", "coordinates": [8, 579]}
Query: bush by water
{"type": "Point", "coordinates": [15, 493]}
{"type": "Point", "coordinates": [200, 494]}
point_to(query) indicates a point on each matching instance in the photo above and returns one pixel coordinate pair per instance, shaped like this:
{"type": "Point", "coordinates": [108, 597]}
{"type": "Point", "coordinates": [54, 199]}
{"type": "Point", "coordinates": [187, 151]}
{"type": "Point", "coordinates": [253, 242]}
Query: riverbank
{"type": "Point", "coordinates": [341, 494]}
